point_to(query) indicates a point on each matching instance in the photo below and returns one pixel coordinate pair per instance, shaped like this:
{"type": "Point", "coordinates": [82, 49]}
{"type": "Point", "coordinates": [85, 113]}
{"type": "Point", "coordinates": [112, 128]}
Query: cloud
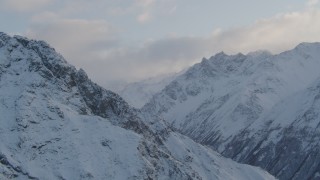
{"type": "Point", "coordinates": [146, 8]}
{"type": "Point", "coordinates": [145, 3]}
{"type": "Point", "coordinates": [276, 34]}
{"type": "Point", "coordinates": [151, 8]}
{"type": "Point", "coordinates": [144, 17]}
{"type": "Point", "coordinates": [312, 3]}
{"type": "Point", "coordinates": [72, 34]}
{"type": "Point", "coordinates": [78, 40]}
{"type": "Point", "coordinates": [25, 5]}
{"type": "Point", "coordinates": [96, 46]}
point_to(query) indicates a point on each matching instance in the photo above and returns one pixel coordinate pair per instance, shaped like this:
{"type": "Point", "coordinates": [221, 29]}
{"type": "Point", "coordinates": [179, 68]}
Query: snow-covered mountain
{"type": "Point", "coordinates": [259, 108]}
{"type": "Point", "coordinates": [55, 123]}
{"type": "Point", "coordinates": [139, 93]}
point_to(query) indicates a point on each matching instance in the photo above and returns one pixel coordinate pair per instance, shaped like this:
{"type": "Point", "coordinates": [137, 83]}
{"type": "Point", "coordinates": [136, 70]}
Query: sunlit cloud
{"type": "Point", "coordinates": [276, 34]}
{"type": "Point", "coordinates": [98, 45]}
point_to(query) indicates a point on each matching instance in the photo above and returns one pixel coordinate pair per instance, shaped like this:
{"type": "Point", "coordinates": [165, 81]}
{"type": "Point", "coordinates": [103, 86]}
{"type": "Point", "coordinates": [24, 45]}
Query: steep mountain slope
{"type": "Point", "coordinates": [139, 93]}
{"type": "Point", "coordinates": [235, 105]}
{"type": "Point", "coordinates": [56, 123]}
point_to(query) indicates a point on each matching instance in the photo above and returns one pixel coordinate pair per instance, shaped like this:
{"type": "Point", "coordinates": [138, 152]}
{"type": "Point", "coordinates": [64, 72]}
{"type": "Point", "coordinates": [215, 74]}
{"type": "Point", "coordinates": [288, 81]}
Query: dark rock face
{"type": "Point", "coordinates": [94, 100]}
{"type": "Point", "coordinates": [295, 155]}
{"type": "Point", "coordinates": [53, 67]}
{"type": "Point", "coordinates": [287, 159]}
{"type": "Point", "coordinates": [102, 102]}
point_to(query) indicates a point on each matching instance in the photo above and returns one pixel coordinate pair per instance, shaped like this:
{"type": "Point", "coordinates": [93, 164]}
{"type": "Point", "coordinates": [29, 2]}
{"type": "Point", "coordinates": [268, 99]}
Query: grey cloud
{"type": "Point", "coordinates": [95, 46]}
{"type": "Point", "coordinates": [25, 5]}
{"type": "Point", "coordinates": [276, 34]}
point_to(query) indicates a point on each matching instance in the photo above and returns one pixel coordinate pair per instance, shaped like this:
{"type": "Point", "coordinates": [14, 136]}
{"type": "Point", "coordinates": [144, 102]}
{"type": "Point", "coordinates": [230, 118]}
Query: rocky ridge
{"type": "Point", "coordinates": [258, 108]}
{"type": "Point", "coordinates": [57, 124]}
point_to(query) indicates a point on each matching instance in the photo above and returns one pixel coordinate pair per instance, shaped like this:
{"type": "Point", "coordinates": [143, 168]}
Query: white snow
{"type": "Point", "coordinates": [251, 90]}
{"type": "Point", "coordinates": [202, 159]}
{"type": "Point", "coordinates": [48, 132]}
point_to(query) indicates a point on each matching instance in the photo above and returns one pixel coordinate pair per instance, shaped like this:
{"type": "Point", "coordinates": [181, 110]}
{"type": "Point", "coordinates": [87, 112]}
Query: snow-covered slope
{"type": "Point", "coordinates": [247, 108]}
{"type": "Point", "coordinates": [56, 123]}
{"type": "Point", "coordinates": [139, 93]}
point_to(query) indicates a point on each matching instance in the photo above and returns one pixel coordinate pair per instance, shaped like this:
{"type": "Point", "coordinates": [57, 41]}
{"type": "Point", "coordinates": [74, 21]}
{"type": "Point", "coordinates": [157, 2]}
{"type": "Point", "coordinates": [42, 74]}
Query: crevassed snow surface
{"type": "Point", "coordinates": [56, 123]}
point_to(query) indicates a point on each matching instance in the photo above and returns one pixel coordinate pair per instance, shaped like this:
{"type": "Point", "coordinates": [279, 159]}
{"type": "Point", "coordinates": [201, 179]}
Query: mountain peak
{"type": "Point", "coordinates": [219, 55]}
{"type": "Point", "coordinates": [57, 124]}
{"type": "Point", "coordinates": [253, 108]}
{"type": "Point", "coordinates": [307, 46]}
{"type": "Point", "coordinates": [259, 53]}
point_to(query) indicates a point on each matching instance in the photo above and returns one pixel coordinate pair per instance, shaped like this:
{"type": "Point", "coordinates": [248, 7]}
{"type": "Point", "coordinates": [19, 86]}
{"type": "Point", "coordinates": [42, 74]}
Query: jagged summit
{"type": "Point", "coordinates": [259, 53]}
{"type": "Point", "coordinates": [57, 124]}
{"type": "Point", "coordinates": [253, 108]}
{"type": "Point", "coordinates": [308, 45]}
{"type": "Point", "coordinates": [219, 55]}
{"type": "Point", "coordinates": [43, 59]}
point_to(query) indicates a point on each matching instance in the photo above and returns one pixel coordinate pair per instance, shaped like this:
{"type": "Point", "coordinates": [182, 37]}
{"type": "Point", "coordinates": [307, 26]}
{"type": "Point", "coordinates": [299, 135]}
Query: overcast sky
{"type": "Point", "coordinates": [118, 41]}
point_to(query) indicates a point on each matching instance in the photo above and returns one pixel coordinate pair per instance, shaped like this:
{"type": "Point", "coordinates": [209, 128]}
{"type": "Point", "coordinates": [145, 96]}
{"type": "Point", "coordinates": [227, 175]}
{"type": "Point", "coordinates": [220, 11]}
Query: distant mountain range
{"type": "Point", "coordinates": [260, 109]}
{"type": "Point", "coordinates": [139, 93]}
{"type": "Point", "coordinates": [55, 123]}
